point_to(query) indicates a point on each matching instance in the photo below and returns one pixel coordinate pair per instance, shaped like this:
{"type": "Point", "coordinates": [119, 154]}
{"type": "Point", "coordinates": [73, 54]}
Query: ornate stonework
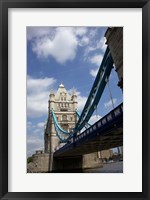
{"type": "Point", "coordinates": [64, 106]}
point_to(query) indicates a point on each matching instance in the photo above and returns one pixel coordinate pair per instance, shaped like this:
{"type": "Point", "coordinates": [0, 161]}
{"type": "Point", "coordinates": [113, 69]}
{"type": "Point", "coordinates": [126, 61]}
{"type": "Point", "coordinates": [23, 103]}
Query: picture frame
{"type": "Point", "coordinates": [4, 6]}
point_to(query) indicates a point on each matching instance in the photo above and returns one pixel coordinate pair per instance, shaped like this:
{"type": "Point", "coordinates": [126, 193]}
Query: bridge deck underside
{"type": "Point", "coordinates": [106, 137]}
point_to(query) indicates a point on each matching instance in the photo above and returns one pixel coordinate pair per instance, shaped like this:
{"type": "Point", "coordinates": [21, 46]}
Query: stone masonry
{"type": "Point", "coordinates": [114, 39]}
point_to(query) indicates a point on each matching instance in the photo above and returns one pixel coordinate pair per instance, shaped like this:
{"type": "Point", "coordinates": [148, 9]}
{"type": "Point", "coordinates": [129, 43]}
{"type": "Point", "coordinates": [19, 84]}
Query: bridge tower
{"type": "Point", "coordinates": [64, 107]}
{"type": "Point", "coordinates": [114, 39]}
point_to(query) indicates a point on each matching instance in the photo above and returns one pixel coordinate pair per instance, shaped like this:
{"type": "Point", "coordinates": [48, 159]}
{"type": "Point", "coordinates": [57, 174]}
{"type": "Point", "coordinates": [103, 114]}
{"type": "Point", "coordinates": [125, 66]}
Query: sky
{"type": "Point", "coordinates": [67, 55]}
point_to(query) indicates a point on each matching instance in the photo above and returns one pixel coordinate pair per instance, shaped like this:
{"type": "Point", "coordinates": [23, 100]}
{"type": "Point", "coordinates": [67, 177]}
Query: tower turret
{"type": "Point", "coordinates": [51, 100]}
{"type": "Point", "coordinates": [74, 99]}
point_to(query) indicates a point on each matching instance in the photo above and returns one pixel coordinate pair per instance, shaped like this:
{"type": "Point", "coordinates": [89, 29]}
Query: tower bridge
{"type": "Point", "coordinates": [105, 134]}
{"type": "Point", "coordinates": [67, 146]}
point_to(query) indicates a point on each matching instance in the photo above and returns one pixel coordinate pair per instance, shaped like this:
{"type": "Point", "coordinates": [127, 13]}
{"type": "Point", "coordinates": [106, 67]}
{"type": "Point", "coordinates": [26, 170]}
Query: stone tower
{"type": "Point", "coordinates": [64, 107]}
{"type": "Point", "coordinates": [114, 39]}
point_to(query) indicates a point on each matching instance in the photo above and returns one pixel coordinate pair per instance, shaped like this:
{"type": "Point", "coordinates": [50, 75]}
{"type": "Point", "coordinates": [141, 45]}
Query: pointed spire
{"type": "Point", "coordinates": [51, 92]}
{"type": "Point", "coordinates": [74, 92]}
{"type": "Point", "coordinates": [61, 85]}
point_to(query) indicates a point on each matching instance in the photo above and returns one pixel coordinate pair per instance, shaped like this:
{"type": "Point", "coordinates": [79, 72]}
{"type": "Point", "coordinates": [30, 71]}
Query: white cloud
{"type": "Point", "coordinates": [109, 105]}
{"type": "Point", "coordinates": [102, 44]}
{"type": "Point", "coordinates": [38, 85]}
{"type": "Point", "coordinates": [81, 99]}
{"type": "Point", "coordinates": [81, 102]}
{"type": "Point", "coordinates": [61, 43]}
{"type": "Point", "coordinates": [93, 32]}
{"type": "Point", "coordinates": [36, 32]}
{"type": "Point", "coordinates": [80, 30]}
{"type": "Point", "coordinates": [35, 137]}
{"type": "Point", "coordinates": [29, 124]}
{"type": "Point", "coordinates": [88, 50]}
{"type": "Point", "coordinates": [93, 72]}
{"type": "Point", "coordinates": [37, 95]}
{"type": "Point", "coordinates": [94, 119]}
{"type": "Point", "coordinates": [98, 45]}
{"type": "Point", "coordinates": [62, 47]}
{"type": "Point", "coordinates": [96, 59]}
{"type": "Point", "coordinates": [84, 41]}
{"type": "Point", "coordinates": [34, 143]}
{"type": "Point", "coordinates": [41, 124]}
{"type": "Point", "coordinates": [37, 131]}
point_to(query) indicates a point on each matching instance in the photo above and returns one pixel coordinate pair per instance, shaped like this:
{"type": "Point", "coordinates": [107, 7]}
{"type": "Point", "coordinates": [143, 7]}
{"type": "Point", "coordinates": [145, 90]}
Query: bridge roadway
{"type": "Point", "coordinates": [105, 134]}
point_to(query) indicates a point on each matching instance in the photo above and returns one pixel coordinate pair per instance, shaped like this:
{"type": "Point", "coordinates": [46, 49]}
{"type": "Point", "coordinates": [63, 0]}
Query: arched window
{"type": "Point", "coordinates": [64, 117]}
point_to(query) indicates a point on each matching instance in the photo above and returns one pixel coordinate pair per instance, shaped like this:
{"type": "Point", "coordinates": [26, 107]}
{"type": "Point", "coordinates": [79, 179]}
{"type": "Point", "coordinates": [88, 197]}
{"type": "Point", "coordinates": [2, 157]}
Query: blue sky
{"type": "Point", "coordinates": [68, 55]}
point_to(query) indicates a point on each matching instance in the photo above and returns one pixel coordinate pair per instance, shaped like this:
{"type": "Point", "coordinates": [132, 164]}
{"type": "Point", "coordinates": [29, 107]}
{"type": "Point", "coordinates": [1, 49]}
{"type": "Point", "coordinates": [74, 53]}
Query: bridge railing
{"type": "Point", "coordinates": [103, 121]}
{"type": "Point", "coordinates": [115, 113]}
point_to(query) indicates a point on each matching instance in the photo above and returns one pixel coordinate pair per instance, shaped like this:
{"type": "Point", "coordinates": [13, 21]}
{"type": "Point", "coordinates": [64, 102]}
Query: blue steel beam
{"type": "Point", "coordinates": [94, 88]}
{"type": "Point", "coordinates": [78, 115]}
{"type": "Point", "coordinates": [93, 99]}
{"type": "Point", "coordinates": [89, 109]}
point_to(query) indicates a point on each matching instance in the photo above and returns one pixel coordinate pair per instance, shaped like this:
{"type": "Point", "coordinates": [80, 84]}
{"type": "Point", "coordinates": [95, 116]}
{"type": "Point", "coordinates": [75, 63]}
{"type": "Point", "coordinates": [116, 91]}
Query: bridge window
{"type": "Point", "coordinates": [109, 117]}
{"type": "Point", "coordinates": [64, 117]}
{"type": "Point", "coordinates": [104, 121]}
{"type": "Point", "coordinates": [122, 107]}
{"type": "Point", "coordinates": [94, 127]}
{"type": "Point", "coordinates": [91, 129]}
{"type": "Point", "coordinates": [117, 112]}
{"type": "Point", "coordinates": [99, 124]}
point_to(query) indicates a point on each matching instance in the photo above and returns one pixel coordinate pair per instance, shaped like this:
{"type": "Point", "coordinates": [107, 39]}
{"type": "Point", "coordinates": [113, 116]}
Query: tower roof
{"type": "Point", "coordinates": [62, 92]}
{"type": "Point", "coordinates": [61, 85]}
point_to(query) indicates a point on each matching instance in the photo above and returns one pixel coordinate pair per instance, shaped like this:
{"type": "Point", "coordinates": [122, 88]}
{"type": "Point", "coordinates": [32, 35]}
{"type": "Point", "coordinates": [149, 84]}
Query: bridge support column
{"type": "Point", "coordinates": [91, 161]}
